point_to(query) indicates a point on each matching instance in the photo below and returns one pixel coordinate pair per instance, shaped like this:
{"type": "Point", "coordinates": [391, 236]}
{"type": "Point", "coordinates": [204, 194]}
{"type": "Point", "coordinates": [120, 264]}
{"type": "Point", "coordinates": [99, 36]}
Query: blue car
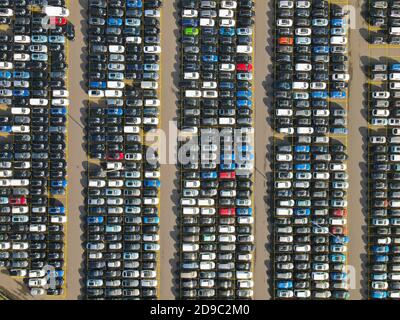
{"type": "Point", "coordinates": [151, 183]}
{"type": "Point", "coordinates": [58, 111]}
{"type": "Point", "coordinates": [227, 166]}
{"type": "Point", "coordinates": [21, 93]}
{"type": "Point", "coordinates": [302, 166]}
{"type": "Point", "coordinates": [226, 85]}
{"type": "Point", "coordinates": [245, 148]}
{"type": "Point", "coordinates": [5, 74]}
{"type": "Point", "coordinates": [209, 175]}
{"type": "Point", "coordinates": [114, 22]}
{"type": "Point", "coordinates": [337, 22]}
{"type": "Point", "coordinates": [151, 220]}
{"type": "Point", "coordinates": [114, 112]}
{"type": "Point", "coordinates": [301, 148]}
{"type": "Point", "coordinates": [302, 212]}
{"type": "Point", "coordinates": [134, 3]}
{"type": "Point", "coordinates": [243, 103]}
{"type": "Point", "coordinates": [244, 94]}
{"type": "Point", "coordinates": [337, 257]}
{"type": "Point", "coordinates": [338, 94]}
{"type": "Point", "coordinates": [395, 67]}
{"type": "Point", "coordinates": [98, 85]}
{"type": "Point", "coordinates": [285, 284]}
{"type": "Point", "coordinates": [5, 129]}
{"type": "Point", "coordinates": [190, 23]}
{"type": "Point", "coordinates": [57, 210]}
{"type": "Point", "coordinates": [339, 130]}
{"type": "Point", "coordinates": [210, 58]}
{"type": "Point", "coordinates": [379, 276]}
{"type": "Point", "coordinates": [379, 294]}
{"type": "Point", "coordinates": [230, 32]}
{"type": "Point", "coordinates": [58, 183]}
{"type": "Point", "coordinates": [340, 239]}
{"type": "Point", "coordinates": [21, 75]}
{"type": "Point", "coordinates": [321, 49]}
{"type": "Point", "coordinates": [56, 273]}
{"type": "Point", "coordinates": [380, 249]}
{"type": "Point", "coordinates": [319, 95]}
{"type": "Point", "coordinates": [244, 211]}
{"type": "Point", "coordinates": [381, 258]}
{"type": "Point", "coordinates": [151, 67]}
{"type": "Point", "coordinates": [339, 276]}
{"type": "Point", "coordinates": [95, 220]}
{"type": "Point", "coordinates": [38, 39]}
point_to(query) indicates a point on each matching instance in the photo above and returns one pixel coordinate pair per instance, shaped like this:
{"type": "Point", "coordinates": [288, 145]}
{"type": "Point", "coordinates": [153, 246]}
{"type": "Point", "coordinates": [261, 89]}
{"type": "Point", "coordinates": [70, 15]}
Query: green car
{"type": "Point", "coordinates": [191, 31]}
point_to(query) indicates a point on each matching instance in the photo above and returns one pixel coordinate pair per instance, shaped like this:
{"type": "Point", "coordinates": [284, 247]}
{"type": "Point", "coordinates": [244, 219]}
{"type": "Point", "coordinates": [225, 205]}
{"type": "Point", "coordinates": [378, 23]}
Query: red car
{"type": "Point", "coordinates": [244, 67]}
{"type": "Point", "coordinates": [338, 230]}
{"type": "Point", "coordinates": [227, 175]}
{"type": "Point", "coordinates": [17, 201]}
{"type": "Point", "coordinates": [115, 156]}
{"type": "Point", "coordinates": [227, 211]}
{"type": "Point", "coordinates": [340, 212]}
{"type": "Point", "coordinates": [58, 21]}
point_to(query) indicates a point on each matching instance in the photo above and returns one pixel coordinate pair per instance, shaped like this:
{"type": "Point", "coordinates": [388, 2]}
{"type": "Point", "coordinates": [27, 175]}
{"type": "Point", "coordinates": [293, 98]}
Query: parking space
{"type": "Point", "coordinates": [216, 117]}
{"type": "Point", "coordinates": [310, 168]}
{"type": "Point", "coordinates": [123, 173]}
{"type": "Point", "coordinates": [383, 275]}
{"type": "Point", "coordinates": [34, 100]}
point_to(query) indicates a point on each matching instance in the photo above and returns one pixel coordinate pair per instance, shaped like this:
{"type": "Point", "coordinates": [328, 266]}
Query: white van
{"type": "Point", "coordinates": [20, 110]}
{"type": "Point", "coordinates": [190, 210]}
{"type": "Point", "coordinates": [244, 49]}
{"type": "Point", "coordinates": [338, 40]}
{"type": "Point", "coordinates": [52, 11]}
{"type": "Point", "coordinates": [226, 67]}
{"type": "Point", "coordinates": [305, 130]}
{"type": "Point", "coordinates": [192, 93]}
{"type": "Point", "coordinates": [191, 75]}
{"type": "Point", "coordinates": [206, 22]}
{"type": "Point", "coordinates": [115, 84]}
{"type": "Point", "coordinates": [394, 30]}
{"type": "Point", "coordinates": [38, 102]}
{"type": "Point", "coordinates": [394, 76]}
{"type": "Point", "coordinates": [19, 182]}
{"type": "Point", "coordinates": [206, 202]}
{"type": "Point", "coordinates": [131, 129]}
{"type": "Point", "coordinates": [284, 211]}
{"type": "Point", "coordinates": [149, 85]}
{"type": "Point", "coordinates": [151, 103]}
{"type": "Point", "coordinates": [226, 121]}
{"type": "Point", "coordinates": [284, 112]}
{"type": "Point", "coordinates": [300, 85]}
{"type": "Point", "coordinates": [209, 85]}
{"type": "Point", "coordinates": [20, 129]}
{"type": "Point", "coordinates": [135, 40]}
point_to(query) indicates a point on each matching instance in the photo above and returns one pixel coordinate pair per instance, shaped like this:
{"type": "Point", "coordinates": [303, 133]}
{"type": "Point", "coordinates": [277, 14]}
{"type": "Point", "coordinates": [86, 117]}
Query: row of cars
{"type": "Point", "coordinates": [33, 178]}
{"type": "Point", "coordinates": [385, 16]}
{"type": "Point", "coordinates": [122, 202]}
{"type": "Point", "coordinates": [310, 178]}
{"type": "Point", "coordinates": [216, 116]}
{"type": "Point", "coordinates": [384, 168]}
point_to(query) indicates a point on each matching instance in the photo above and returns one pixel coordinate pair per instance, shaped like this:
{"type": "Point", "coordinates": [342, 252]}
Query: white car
{"type": "Point", "coordinates": [187, 13]}
{"type": "Point", "coordinates": [284, 22]}
{"type": "Point", "coordinates": [60, 93]}
{"type": "Point", "coordinates": [229, 4]}
{"type": "Point", "coordinates": [58, 219]}
{"type": "Point", "coordinates": [53, 11]}
{"type": "Point", "coordinates": [60, 102]}
{"type": "Point", "coordinates": [228, 23]}
{"type": "Point", "coordinates": [244, 49]}
{"type": "Point", "coordinates": [22, 39]}
{"type": "Point", "coordinates": [152, 49]}
{"type": "Point", "coordinates": [96, 93]}
{"type": "Point", "coordinates": [5, 12]}
{"type": "Point", "coordinates": [341, 77]}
